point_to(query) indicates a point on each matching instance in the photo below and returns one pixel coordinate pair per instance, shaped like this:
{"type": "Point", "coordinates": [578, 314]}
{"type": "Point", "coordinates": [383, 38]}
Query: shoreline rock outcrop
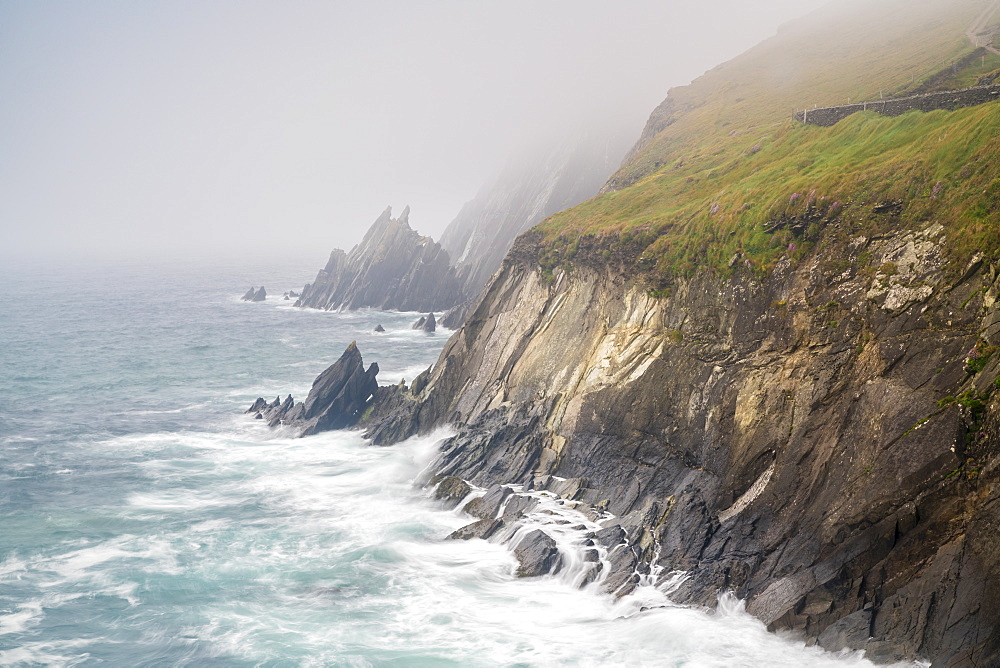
{"type": "Point", "coordinates": [821, 447]}
{"type": "Point", "coordinates": [393, 268]}
{"type": "Point", "coordinates": [338, 399]}
{"type": "Point", "coordinates": [258, 295]}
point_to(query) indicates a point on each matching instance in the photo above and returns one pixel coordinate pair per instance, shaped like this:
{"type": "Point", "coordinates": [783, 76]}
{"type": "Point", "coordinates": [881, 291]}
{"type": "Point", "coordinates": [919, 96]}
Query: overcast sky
{"type": "Point", "coordinates": [284, 128]}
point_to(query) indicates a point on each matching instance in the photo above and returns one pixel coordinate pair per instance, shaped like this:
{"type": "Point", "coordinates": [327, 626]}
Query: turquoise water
{"type": "Point", "coordinates": [144, 520]}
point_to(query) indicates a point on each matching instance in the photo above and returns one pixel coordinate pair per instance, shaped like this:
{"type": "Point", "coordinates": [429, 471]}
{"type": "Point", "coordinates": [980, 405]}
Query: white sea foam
{"type": "Point", "coordinates": [17, 622]}
{"type": "Point", "coordinates": [63, 653]}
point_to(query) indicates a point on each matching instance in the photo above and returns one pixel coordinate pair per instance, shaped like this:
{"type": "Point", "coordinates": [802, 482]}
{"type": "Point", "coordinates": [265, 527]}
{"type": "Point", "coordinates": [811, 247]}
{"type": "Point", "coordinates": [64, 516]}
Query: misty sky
{"type": "Point", "coordinates": [284, 128]}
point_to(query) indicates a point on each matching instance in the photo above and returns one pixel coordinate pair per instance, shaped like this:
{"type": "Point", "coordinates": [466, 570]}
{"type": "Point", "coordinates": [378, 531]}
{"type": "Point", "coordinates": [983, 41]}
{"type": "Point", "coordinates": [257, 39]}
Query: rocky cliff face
{"type": "Point", "coordinates": [824, 442]}
{"type": "Point", "coordinates": [393, 268]}
{"type": "Point", "coordinates": [528, 190]}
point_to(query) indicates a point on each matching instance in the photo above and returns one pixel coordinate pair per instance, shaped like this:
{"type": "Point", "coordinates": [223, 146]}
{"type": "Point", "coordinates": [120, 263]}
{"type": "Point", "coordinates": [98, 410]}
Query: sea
{"type": "Point", "coordinates": [145, 520]}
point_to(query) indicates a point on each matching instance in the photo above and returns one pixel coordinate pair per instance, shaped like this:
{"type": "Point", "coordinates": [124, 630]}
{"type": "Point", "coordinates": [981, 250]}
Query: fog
{"type": "Point", "coordinates": [265, 129]}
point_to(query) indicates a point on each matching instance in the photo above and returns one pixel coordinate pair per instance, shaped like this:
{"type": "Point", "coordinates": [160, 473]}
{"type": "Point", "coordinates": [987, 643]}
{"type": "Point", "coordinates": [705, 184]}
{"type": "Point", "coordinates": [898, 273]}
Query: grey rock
{"type": "Point", "coordinates": [429, 324]}
{"type": "Point", "coordinates": [452, 490]}
{"type": "Point", "coordinates": [480, 529]}
{"type": "Point", "coordinates": [537, 554]}
{"type": "Point", "coordinates": [393, 268]}
{"type": "Point", "coordinates": [518, 506]}
{"type": "Point", "coordinates": [338, 398]}
{"type": "Point", "coordinates": [488, 506]}
{"type": "Point", "coordinates": [379, 328]}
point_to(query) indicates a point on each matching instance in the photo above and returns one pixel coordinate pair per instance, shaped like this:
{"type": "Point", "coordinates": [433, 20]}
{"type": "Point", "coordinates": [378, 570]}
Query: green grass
{"type": "Point", "coordinates": [940, 166]}
{"type": "Point", "coordinates": [848, 51]}
{"type": "Point", "coordinates": [733, 181]}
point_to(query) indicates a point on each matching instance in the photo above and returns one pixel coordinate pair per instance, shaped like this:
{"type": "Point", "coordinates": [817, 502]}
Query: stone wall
{"type": "Point", "coordinates": [952, 99]}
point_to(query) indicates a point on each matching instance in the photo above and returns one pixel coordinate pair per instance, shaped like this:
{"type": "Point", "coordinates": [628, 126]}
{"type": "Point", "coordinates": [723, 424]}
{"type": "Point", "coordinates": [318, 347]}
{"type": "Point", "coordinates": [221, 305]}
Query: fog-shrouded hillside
{"type": "Point", "coordinates": [853, 50]}
{"type": "Point", "coordinates": [722, 161]}
{"type": "Point", "coordinates": [533, 185]}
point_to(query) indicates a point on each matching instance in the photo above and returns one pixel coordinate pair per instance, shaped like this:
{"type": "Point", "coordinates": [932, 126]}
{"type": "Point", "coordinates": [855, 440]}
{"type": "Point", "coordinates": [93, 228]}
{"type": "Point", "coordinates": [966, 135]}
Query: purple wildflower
{"type": "Point", "coordinates": [792, 247]}
{"type": "Point", "coordinates": [936, 190]}
{"type": "Point", "coordinates": [794, 198]}
{"type": "Point", "coordinates": [714, 208]}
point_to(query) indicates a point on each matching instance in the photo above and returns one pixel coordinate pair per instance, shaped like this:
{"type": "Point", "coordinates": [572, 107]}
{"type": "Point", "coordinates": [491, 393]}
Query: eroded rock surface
{"type": "Point", "coordinates": [338, 398]}
{"type": "Point", "coordinates": [824, 442]}
{"type": "Point", "coordinates": [393, 268]}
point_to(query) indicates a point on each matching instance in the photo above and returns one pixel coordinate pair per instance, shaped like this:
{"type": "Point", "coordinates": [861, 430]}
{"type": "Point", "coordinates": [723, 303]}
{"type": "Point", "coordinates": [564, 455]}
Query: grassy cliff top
{"type": "Point", "coordinates": [723, 171]}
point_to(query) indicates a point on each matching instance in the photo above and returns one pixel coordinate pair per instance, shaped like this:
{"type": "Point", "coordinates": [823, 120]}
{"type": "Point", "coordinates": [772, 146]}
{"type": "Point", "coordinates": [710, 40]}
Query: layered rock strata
{"type": "Point", "coordinates": [338, 399]}
{"type": "Point", "coordinates": [393, 268]}
{"type": "Point", "coordinates": [824, 442]}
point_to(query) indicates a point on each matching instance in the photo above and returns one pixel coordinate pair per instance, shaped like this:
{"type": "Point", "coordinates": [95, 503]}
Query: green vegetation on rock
{"type": "Point", "coordinates": [731, 182]}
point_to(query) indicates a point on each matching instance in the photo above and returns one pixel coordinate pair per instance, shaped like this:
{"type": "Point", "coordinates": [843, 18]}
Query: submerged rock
{"type": "Point", "coordinates": [379, 328]}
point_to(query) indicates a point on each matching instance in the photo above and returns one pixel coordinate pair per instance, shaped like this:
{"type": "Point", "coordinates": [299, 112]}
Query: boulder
{"type": "Point", "coordinates": [537, 554]}
{"type": "Point", "coordinates": [519, 506]}
{"type": "Point", "coordinates": [419, 324]}
{"type": "Point", "coordinates": [452, 490]}
{"type": "Point", "coordinates": [480, 529]}
{"type": "Point", "coordinates": [488, 506]}
{"type": "Point", "coordinates": [379, 328]}
{"type": "Point", "coordinates": [429, 324]}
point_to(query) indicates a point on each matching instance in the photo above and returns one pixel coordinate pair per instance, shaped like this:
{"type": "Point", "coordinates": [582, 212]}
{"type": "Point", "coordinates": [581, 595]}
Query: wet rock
{"type": "Point", "coordinates": [519, 505]}
{"type": "Point", "coordinates": [340, 394]}
{"type": "Point", "coordinates": [419, 324]}
{"type": "Point", "coordinates": [338, 398]}
{"type": "Point", "coordinates": [488, 506]}
{"type": "Point", "coordinates": [249, 294]}
{"type": "Point", "coordinates": [537, 554]}
{"type": "Point", "coordinates": [481, 529]}
{"type": "Point", "coordinates": [452, 490]}
{"type": "Point", "coordinates": [611, 536]}
{"type": "Point", "coordinates": [260, 295]}
{"type": "Point", "coordinates": [257, 405]}
{"type": "Point", "coordinates": [850, 632]}
{"type": "Point", "coordinates": [622, 577]}
{"type": "Point", "coordinates": [379, 328]}
{"type": "Point", "coordinates": [429, 323]}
